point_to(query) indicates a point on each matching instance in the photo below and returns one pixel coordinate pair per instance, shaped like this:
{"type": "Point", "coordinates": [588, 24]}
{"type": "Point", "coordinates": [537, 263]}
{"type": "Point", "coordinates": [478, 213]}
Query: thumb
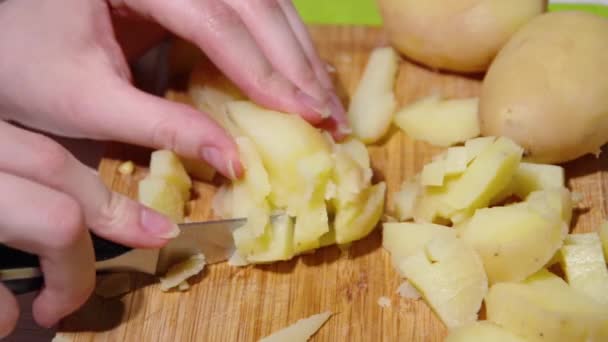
{"type": "Point", "coordinates": [124, 113]}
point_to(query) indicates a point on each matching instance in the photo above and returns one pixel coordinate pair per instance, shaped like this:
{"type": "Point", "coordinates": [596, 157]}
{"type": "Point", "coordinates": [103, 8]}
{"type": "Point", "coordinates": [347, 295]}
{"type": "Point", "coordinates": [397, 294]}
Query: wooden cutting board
{"type": "Point", "coordinates": [244, 304]}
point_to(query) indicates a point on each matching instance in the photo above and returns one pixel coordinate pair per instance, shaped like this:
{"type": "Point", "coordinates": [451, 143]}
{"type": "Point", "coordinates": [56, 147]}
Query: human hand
{"type": "Point", "coordinates": [63, 72]}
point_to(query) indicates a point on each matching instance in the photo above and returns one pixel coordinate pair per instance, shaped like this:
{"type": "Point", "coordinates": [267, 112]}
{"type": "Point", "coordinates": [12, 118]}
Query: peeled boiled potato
{"type": "Point", "coordinates": [604, 237]}
{"type": "Point", "coordinates": [450, 276]}
{"type": "Point", "coordinates": [403, 239]}
{"type": "Point", "coordinates": [299, 176]}
{"type": "Point", "coordinates": [544, 89]}
{"type": "Point", "coordinates": [458, 35]}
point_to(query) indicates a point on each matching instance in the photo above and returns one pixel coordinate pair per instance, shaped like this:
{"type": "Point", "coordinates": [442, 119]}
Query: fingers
{"type": "Point", "coordinates": [109, 214]}
{"type": "Point", "coordinates": [269, 27]}
{"type": "Point", "coordinates": [48, 223]}
{"type": "Point", "coordinates": [221, 33]}
{"type": "Point", "coordinates": [9, 312]}
{"type": "Point", "coordinates": [133, 116]}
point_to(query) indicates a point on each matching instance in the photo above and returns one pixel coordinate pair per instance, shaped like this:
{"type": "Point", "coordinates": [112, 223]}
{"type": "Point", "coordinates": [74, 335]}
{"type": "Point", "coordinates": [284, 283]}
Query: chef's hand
{"type": "Point", "coordinates": [62, 71]}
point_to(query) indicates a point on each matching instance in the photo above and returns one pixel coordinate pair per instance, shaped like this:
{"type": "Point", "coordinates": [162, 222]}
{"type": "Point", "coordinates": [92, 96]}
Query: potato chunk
{"type": "Point", "coordinates": [585, 267]}
{"type": "Point", "coordinates": [548, 310]}
{"type": "Point", "coordinates": [403, 239]}
{"type": "Point", "coordinates": [358, 219]}
{"type": "Point", "coordinates": [604, 238]}
{"type": "Point", "coordinates": [166, 164]}
{"type": "Point", "coordinates": [373, 103]}
{"type": "Point", "coordinates": [450, 276]}
{"type": "Point", "coordinates": [514, 242]}
{"type": "Point", "coordinates": [162, 196]}
{"type": "Point", "coordinates": [440, 122]}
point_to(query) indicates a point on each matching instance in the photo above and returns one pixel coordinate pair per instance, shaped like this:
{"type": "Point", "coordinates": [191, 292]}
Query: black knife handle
{"type": "Point", "coordinates": [11, 258]}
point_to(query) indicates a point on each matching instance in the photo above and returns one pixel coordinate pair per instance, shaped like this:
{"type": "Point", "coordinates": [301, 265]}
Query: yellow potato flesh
{"type": "Point", "coordinates": [357, 219]}
{"type": "Point", "coordinates": [373, 103]}
{"type": "Point", "coordinates": [604, 238]}
{"type": "Point", "coordinates": [162, 196]}
{"type": "Point", "coordinates": [439, 122]}
{"type": "Point", "coordinates": [450, 276]}
{"type": "Point", "coordinates": [403, 239]}
{"type": "Point", "coordinates": [544, 90]}
{"type": "Point", "coordinates": [487, 175]}
{"type": "Point", "coordinates": [458, 35]}
{"type": "Point", "coordinates": [405, 199]}
{"type": "Point", "coordinates": [549, 312]}
{"type": "Point", "coordinates": [531, 177]}
{"type": "Point", "coordinates": [482, 331]}
{"type": "Point", "coordinates": [585, 267]}
{"type": "Point", "coordinates": [166, 164]}
{"type": "Point", "coordinates": [514, 242]}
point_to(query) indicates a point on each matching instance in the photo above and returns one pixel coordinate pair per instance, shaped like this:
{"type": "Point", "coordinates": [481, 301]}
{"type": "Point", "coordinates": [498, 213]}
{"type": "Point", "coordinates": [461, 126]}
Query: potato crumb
{"type": "Point", "coordinates": [113, 285]}
{"type": "Point", "coordinates": [126, 168]}
{"type": "Point", "coordinates": [178, 273]}
{"type": "Point", "coordinates": [406, 290]}
{"type": "Point", "coordinates": [384, 302]}
{"type": "Point", "coordinates": [576, 197]}
{"type": "Point", "coordinates": [330, 190]}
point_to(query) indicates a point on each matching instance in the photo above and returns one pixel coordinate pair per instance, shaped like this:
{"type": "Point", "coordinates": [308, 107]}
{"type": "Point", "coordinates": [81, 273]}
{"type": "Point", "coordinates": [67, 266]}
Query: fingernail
{"type": "Point", "coordinates": [314, 104]}
{"type": "Point", "coordinates": [157, 224]}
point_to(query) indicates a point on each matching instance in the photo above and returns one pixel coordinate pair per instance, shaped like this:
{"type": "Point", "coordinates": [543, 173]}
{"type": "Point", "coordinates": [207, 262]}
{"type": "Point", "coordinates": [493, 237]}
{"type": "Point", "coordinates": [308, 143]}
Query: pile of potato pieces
{"type": "Point", "coordinates": [479, 225]}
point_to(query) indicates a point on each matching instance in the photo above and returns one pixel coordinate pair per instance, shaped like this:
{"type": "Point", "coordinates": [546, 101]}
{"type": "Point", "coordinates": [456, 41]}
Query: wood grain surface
{"type": "Point", "coordinates": [244, 304]}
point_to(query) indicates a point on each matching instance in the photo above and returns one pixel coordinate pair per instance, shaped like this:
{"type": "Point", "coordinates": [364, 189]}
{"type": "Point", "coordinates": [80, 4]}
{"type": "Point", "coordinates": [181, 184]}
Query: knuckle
{"type": "Point", "coordinates": [164, 134]}
{"type": "Point", "coordinates": [52, 159]}
{"type": "Point", "coordinates": [218, 15]}
{"type": "Point", "coordinates": [66, 219]}
{"type": "Point", "coordinates": [114, 214]}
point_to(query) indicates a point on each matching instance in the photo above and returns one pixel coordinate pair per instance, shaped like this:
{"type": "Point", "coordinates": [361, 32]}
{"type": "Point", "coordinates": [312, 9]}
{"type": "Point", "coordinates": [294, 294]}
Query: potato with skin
{"type": "Point", "coordinates": [457, 35]}
{"type": "Point", "coordinates": [545, 89]}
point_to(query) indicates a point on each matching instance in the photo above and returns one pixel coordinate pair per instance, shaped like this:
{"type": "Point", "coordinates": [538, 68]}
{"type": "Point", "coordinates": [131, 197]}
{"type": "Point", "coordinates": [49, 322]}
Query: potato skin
{"type": "Point", "coordinates": [548, 90]}
{"type": "Point", "coordinates": [456, 35]}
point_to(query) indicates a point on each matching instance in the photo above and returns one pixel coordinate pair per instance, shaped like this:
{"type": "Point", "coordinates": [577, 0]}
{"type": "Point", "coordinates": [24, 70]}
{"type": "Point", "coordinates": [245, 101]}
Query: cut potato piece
{"type": "Point", "coordinates": [405, 199]}
{"type": "Point", "coordinates": [162, 196]}
{"type": "Point", "coordinates": [604, 238]}
{"type": "Point", "coordinates": [357, 151]}
{"type": "Point", "coordinates": [585, 267]}
{"type": "Point", "coordinates": [544, 278]}
{"type": "Point", "coordinates": [433, 173]}
{"type": "Point", "coordinates": [301, 330]}
{"type": "Point", "coordinates": [180, 272]}
{"type": "Point", "coordinates": [373, 103]}
{"type": "Point", "coordinates": [166, 164]}
{"type": "Point", "coordinates": [403, 239]}
{"type": "Point", "coordinates": [450, 276]}
{"type": "Point", "coordinates": [456, 160]}
{"type": "Point", "coordinates": [547, 311]}
{"type": "Point", "coordinates": [357, 219]}
{"type": "Point", "coordinates": [514, 242]}
{"type": "Point", "coordinates": [282, 141]}
{"type": "Point", "coordinates": [531, 177]}
{"type": "Point", "coordinates": [431, 207]}
{"type": "Point", "coordinates": [475, 146]}
{"type": "Point", "coordinates": [440, 122]}
{"type": "Point", "coordinates": [482, 331]}
{"type": "Point", "coordinates": [551, 203]}
{"type": "Point", "coordinates": [487, 176]}
{"type": "Point", "coordinates": [349, 177]}
{"type": "Point", "coordinates": [280, 246]}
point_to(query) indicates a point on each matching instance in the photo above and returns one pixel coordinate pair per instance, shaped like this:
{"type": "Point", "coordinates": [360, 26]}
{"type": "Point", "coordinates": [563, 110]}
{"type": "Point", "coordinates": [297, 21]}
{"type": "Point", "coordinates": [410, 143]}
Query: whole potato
{"type": "Point", "coordinates": [548, 88]}
{"type": "Point", "coordinates": [457, 35]}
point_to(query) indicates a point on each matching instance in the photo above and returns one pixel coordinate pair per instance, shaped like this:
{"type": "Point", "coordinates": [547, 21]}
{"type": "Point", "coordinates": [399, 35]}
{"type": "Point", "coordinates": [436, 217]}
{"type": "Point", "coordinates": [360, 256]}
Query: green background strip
{"type": "Point", "coordinates": [365, 12]}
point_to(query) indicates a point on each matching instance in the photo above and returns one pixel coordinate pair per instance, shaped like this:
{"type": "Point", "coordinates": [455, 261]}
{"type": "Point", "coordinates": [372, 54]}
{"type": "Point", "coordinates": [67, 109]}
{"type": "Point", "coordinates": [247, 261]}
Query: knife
{"type": "Point", "coordinates": [20, 272]}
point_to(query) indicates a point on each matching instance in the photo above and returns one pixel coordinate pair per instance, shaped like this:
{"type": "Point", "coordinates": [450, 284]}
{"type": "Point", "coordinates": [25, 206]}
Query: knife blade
{"type": "Point", "coordinates": [20, 272]}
